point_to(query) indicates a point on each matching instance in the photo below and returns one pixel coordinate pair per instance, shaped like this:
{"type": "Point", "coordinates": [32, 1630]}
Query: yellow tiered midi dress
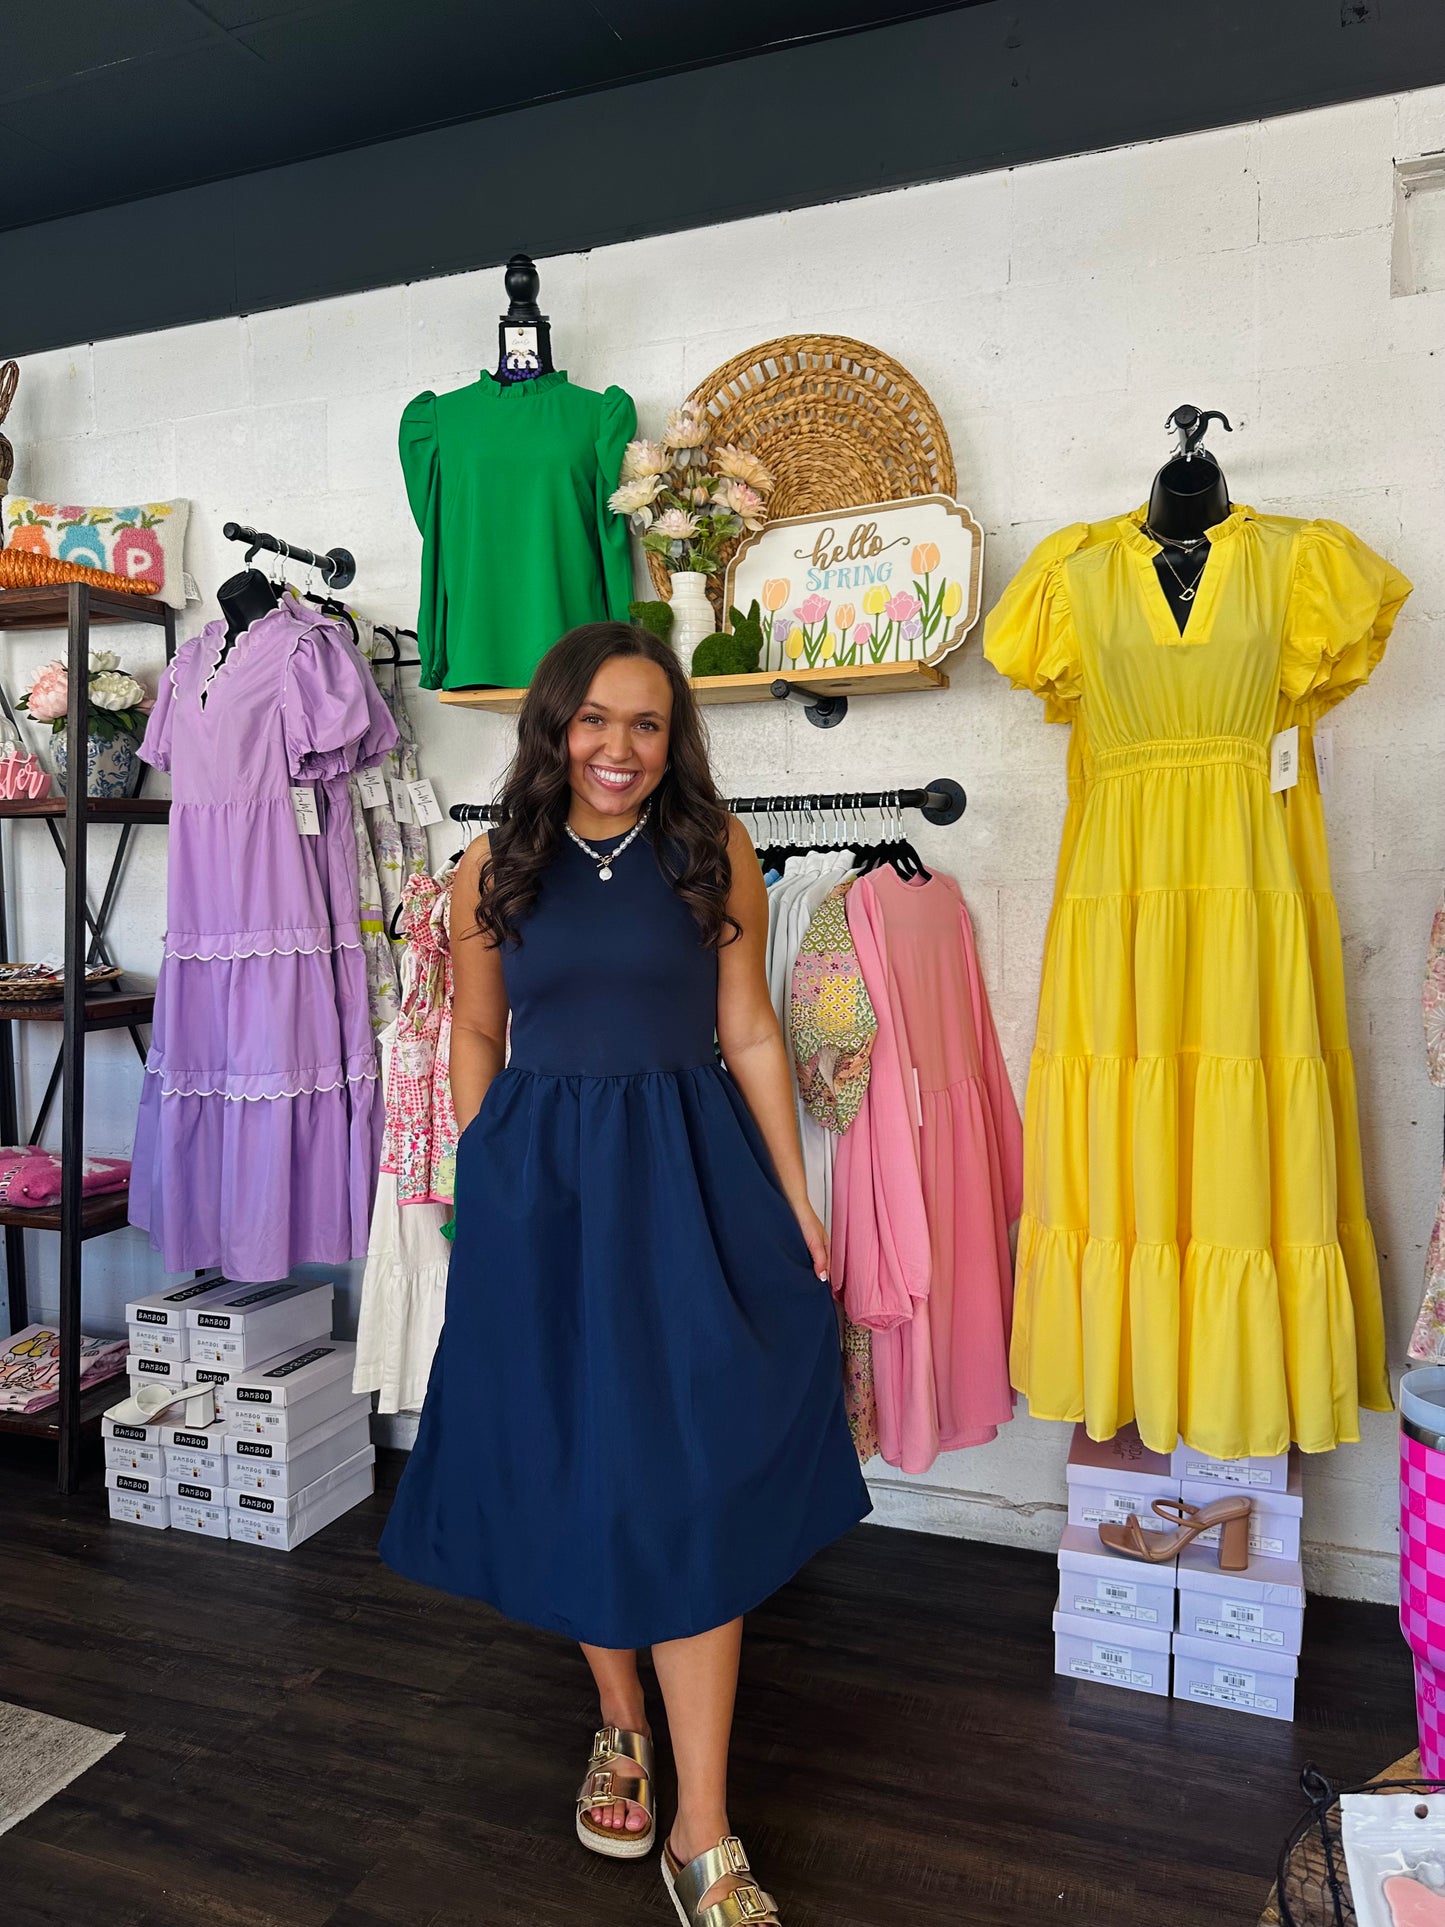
{"type": "Point", "coordinates": [1194, 1251]}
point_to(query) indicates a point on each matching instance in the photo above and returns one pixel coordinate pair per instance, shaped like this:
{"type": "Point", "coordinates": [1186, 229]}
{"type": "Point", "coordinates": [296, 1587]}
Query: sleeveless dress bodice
{"type": "Point", "coordinates": [623, 1245]}
{"type": "Point", "coordinates": [610, 979]}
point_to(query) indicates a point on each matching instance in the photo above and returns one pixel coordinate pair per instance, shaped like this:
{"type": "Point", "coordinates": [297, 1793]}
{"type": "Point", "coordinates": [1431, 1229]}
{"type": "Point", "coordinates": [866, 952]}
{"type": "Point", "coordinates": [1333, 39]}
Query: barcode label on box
{"type": "Point", "coordinates": [1121, 1593]}
{"type": "Point", "coordinates": [1224, 1473]}
{"type": "Point", "coordinates": [1246, 1632]}
{"type": "Point", "coordinates": [1115, 1609]}
{"type": "Point", "coordinates": [1115, 1506]}
{"type": "Point", "coordinates": [1231, 1687]}
{"type": "Point", "coordinates": [1101, 1669]}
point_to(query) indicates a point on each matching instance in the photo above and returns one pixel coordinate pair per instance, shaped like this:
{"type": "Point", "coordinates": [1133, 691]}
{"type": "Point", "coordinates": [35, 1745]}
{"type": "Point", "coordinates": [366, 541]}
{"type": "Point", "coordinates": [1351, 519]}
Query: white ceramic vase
{"type": "Point", "coordinates": [692, 616]}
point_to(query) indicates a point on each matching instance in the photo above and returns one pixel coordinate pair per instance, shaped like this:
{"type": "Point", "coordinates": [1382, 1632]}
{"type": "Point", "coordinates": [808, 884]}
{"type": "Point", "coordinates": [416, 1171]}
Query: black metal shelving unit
{"type": "Point", "coordinates": [79, 1009]}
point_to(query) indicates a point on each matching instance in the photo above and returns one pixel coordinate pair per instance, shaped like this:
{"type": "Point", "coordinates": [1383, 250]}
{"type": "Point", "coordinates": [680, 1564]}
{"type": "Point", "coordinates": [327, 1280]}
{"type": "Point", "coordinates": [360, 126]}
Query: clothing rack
{"type": "Point", "coordinates": [337, 566]}
{"type": "Point", "coordinates": [942, 802]}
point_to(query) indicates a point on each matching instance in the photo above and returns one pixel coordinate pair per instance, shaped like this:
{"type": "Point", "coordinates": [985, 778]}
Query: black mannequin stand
{"type": "Point", "coordinates": [524, 333]}
{"type": "Point", "coordinates": [1189, 495]}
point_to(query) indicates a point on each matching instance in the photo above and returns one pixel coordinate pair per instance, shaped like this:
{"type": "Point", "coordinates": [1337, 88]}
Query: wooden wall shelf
{"type": "Point", "coordinates": [870, 679]}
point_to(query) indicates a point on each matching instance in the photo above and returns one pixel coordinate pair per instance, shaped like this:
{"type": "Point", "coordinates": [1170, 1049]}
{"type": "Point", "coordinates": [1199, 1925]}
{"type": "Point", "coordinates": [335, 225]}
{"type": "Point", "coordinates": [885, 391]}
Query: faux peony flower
{"type": "Point", "coordinates": [113, 690]}
{"type": "Point", "coordinates": [641, 459]}
{"type": "Point", "coordinates": [743, 501]}
{"type": "Point", "coordinates": [813, 610]}
{"type": "Point", "coordinates": [634, 496]}
{"type": "Point", "coordinates": [49, 694]}
{"type": "Point", "coordinates": [103, 659]}
{"type": "Point", "coordinates": [676, 524]}
{"type": "Point", "coordinates": [743, 466]}
{"type": "Point", "coordinates": [686, 427]}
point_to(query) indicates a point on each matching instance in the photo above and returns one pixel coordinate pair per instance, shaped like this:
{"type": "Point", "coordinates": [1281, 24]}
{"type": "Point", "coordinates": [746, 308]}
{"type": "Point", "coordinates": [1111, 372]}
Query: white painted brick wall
{"type": "Point", "coordinates": [1056, 313]}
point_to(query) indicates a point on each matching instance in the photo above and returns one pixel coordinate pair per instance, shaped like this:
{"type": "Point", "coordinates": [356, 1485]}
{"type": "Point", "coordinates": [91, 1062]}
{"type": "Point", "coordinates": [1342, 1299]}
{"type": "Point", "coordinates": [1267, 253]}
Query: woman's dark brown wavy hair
{"type": "Point", "coordinates": [688, 824]}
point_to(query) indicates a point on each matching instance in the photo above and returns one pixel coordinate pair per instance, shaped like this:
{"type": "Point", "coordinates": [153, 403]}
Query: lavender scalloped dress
{"type": "Point", "coordinates": [260, 1119]}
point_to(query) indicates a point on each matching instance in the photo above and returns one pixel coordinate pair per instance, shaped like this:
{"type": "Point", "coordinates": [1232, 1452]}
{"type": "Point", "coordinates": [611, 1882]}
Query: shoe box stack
{"type": "Point", "coordinates": [1238, 1639]}
{"type": "Point", "coordinates": [289, 1449]}
{"type": "Point", "coordinates": [1218, 1638]}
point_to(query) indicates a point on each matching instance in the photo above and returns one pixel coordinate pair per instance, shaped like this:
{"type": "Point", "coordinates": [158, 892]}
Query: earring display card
{"type": "Point", "coordinates": [256, 1322]}
{"type": "Point", "coordinates": [1134, 1657]}
{"type": "Point", "coordinates": [1259, 1681]}
{"type": "Point", "coordinates": [281, 1470]}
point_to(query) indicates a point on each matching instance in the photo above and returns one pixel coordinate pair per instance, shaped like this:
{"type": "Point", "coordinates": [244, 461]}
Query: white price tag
{"type": "Point", "coordinates": [400, 800]}
{"type": "Point", "coordinates": [1284, 759]}
{"type": "Point", "coordinates": [372, 786]}
{"type": "Point", "coordinates": [423, 801]}
{"type": "Point", "coordinates": [1325, 759]}
{"type": "Point", "coordinates": [303, 802]}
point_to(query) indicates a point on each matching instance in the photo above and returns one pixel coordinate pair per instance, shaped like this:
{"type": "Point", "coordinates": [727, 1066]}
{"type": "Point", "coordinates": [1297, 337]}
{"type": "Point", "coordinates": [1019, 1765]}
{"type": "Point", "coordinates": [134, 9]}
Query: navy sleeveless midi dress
{"type": "Point", "coordinates": [634, 1427]}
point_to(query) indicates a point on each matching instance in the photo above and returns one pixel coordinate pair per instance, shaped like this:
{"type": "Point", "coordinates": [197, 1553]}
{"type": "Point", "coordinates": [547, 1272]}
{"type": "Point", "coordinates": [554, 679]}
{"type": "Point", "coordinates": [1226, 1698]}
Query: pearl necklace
{"type": "Point", "coordinates": [605, 862]}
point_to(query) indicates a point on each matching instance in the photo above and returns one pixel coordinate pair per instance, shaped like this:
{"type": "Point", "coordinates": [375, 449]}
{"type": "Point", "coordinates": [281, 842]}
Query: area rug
{"type": "Point", "coordinates": [40, 1755]}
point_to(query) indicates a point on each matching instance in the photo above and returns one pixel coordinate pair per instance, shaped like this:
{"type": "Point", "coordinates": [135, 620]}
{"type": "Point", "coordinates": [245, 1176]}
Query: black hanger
{"type": "Point", "coordinates": [329, 606]}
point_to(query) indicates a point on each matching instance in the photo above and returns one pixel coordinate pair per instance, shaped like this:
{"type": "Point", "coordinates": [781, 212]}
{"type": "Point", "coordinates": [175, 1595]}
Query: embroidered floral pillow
{"type": "Point", "coordinates": [147, 544]}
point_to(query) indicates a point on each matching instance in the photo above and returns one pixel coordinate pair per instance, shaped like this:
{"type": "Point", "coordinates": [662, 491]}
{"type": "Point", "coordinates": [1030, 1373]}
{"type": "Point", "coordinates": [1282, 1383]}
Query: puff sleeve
{"type": "Point", "coordinates": [1343, 603]}
{"type": "Point", "coordinates": [155, 746]}
{"type": "Point", "coordinates": [332, 712]}
{"type": "Point", "coordinates": [1029, 634]}
{"type": "Point", "coordinates": [422, 471]}
{"type": "Point", "coordinates": [619, 425]}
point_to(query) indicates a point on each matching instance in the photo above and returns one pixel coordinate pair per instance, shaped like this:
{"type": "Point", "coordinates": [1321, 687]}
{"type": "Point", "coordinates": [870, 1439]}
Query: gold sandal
{"type": "Point", "coordinates": [1231, 1515]}
{"type": "Point", "coordinates": [620, 1769]}
{"type": "Point", "coordinates": [746, 1906]}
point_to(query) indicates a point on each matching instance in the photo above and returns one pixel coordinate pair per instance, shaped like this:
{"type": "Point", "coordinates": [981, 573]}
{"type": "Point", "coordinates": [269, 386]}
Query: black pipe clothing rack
{"type": "Point", "coordinates": [942, 802]}
{"type": "Point", "coordinates": [337, 566]}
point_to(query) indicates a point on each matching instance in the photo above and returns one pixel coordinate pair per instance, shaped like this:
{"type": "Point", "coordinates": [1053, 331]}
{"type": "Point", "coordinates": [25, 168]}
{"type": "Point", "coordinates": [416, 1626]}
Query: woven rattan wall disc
{"type": "Point", "coordinates": [838, 422]}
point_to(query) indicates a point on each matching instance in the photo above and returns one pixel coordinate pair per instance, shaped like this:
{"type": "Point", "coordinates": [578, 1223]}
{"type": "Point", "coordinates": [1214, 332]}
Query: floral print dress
{"type": "Point", "coordinates": [1427, 1342]}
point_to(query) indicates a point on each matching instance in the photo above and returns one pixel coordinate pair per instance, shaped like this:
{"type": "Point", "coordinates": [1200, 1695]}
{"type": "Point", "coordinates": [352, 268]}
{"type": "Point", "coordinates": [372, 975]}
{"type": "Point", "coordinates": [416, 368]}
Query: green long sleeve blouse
{"type": "Point", "coordinates": [509, 484]}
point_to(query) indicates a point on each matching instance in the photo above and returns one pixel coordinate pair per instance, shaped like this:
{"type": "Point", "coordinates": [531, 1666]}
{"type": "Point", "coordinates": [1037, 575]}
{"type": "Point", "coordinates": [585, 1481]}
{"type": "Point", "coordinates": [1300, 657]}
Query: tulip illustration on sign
{"type": "Point", "coordinates": [812, 613]}
{"type": "Point", "coordinates": [887, 582]}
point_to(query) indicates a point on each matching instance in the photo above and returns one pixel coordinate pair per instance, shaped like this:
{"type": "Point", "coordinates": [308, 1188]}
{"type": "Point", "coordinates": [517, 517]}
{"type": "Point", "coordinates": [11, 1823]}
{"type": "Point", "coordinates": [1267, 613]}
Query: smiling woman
{"type": "Point", "coordinates": [633, 1235]}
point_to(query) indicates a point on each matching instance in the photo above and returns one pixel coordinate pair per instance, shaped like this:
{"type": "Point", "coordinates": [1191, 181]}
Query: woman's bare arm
{"type": "Point", "coordinates": [479, 996]}
{"type": "Point", "coordinates": [752, 1041]}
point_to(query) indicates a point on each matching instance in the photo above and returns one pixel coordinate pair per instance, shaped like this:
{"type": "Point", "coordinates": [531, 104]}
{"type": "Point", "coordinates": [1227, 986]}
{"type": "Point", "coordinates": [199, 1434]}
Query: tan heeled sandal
{"type": "Point", "coordinates": [1231, 1515]}
{"type": "Point", "coordinates": [745, 1906]}
{"type": "Point", "coordinates": [620, 1769]}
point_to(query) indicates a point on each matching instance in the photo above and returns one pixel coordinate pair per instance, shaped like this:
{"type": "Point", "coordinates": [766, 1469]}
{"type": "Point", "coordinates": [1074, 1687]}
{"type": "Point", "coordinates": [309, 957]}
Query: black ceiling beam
{"type": "Point", "coordinates": [980, 87]}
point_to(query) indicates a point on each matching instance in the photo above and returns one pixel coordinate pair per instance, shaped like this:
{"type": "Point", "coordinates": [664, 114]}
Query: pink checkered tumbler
{"type": "Point", "coordinates": [1422, 1553]}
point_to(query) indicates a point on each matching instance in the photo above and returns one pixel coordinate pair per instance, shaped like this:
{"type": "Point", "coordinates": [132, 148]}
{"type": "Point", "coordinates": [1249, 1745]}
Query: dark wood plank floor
{"type": "Point", "coordinates": [313, 1743]}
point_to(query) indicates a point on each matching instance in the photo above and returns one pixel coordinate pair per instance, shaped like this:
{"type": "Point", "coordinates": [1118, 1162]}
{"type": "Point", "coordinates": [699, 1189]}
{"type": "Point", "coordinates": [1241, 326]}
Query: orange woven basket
{"type": "Point", "coordinates": [22, 569]}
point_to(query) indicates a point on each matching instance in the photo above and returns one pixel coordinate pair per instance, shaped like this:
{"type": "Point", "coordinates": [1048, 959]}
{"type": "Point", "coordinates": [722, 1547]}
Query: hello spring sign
{"type": "Point", "coordinates": [890, 582]}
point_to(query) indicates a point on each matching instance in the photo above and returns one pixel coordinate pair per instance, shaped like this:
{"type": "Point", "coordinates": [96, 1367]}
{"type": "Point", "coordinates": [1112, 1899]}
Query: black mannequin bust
{"type": "Point", "coordinates": [1188, 496]}
{"type": "Point", "coordinates": [244, 599]}
{"type": "Point", "coordinates": [524, 333]}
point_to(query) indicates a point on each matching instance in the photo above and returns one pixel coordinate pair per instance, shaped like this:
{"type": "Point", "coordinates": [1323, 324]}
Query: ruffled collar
{"type": "Point", "coordinates": [1131, 528]}
{"type": "Point", "coordinates": [505, 391]}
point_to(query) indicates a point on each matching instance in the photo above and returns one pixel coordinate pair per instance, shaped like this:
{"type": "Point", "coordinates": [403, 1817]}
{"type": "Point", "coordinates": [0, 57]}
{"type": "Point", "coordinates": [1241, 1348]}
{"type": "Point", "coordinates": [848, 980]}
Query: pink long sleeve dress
{"type": "Point", "coordinates": [929, 1177]}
